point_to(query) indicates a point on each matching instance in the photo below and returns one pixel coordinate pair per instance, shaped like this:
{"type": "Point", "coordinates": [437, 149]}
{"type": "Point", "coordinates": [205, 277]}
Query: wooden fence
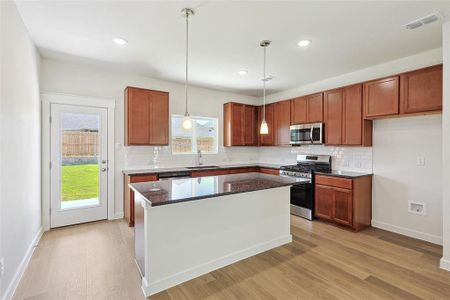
{"type": "Point", "coordinates": [79, 143]}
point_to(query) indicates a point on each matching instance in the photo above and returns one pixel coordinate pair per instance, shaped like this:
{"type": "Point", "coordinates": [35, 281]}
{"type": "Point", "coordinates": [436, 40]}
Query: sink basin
{"type": "Point", "coordinates": [203, 167]}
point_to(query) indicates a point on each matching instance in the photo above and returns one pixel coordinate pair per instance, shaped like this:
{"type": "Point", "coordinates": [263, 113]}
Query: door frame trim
{"type": "Point", "coordinates": [58, 98]}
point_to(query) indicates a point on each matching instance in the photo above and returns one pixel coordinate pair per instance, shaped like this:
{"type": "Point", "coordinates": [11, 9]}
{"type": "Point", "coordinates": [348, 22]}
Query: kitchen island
{"type": "Point", "coordinates": [187, 227]}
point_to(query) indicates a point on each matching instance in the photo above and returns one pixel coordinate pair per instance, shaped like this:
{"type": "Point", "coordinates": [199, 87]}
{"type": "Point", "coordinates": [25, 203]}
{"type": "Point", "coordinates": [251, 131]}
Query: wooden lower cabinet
{"type": "Point", "coordinates": [324, 202]}
{"type": "Point", "coordinates": [344, 201]}
{"type": "Point", "coordinates": [128, 194]}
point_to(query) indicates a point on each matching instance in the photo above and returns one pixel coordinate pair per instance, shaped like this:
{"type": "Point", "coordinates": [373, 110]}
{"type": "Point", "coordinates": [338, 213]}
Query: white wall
{"type": "Point", "coordinates": [445, 261]}
{"type": "Point", "coordinates": [20, 147]}
{"type": "Point", "coordinates": [64, 77]}
{"type": "Point", "coordinates": [398, 179]}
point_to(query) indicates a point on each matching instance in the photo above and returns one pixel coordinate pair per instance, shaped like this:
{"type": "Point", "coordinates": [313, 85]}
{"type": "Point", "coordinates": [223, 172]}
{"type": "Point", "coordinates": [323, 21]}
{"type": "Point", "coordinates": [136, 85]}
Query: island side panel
{"type": "Point", "coordinates": [186, 240]}
{"type": "Point", "coordinates": [139, 232]}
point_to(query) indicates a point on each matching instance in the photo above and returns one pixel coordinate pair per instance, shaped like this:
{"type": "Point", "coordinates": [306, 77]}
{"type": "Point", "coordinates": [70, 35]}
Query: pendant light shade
{"type": "Point", "coordinates": [187, 121]}
{"type": "Point", "coordinates": [264, 129]}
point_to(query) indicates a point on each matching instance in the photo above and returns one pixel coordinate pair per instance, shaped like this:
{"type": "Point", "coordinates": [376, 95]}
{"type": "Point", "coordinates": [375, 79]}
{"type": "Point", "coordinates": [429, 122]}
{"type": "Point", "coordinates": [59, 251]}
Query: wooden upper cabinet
{"type": "Point", "coordinates": [299, 110]}
{"type": "Point", "coordinates": [421, 90]}
{"type": "Point", "coordinates": [282, 121]}
{"type": "Point", "coordinates": [315, 108]}
{"type": "Point", "coordinates": [250, 119]}
{"type": "Point", "coordinates": [159, 118]}
{"type": "Point", "coordinates": [146, 117]}
{"type": "Point", "coordinates": [307, 109]}
{"type": "Point", "coordinates": [333, 116]}
{"type": "Point", "coordinates": [381, 97]}
{"type": "Point", "coordinates": [352, 119]}
{"type": "Point", "coordinates": [239, 124]}
{"type": "Point", "coordinates": [266, 139]}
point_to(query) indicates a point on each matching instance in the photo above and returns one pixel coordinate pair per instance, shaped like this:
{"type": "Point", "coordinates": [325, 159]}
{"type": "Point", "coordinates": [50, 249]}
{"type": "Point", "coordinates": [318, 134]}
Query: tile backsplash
{"type": "Point", "coordinates": [344, 158]}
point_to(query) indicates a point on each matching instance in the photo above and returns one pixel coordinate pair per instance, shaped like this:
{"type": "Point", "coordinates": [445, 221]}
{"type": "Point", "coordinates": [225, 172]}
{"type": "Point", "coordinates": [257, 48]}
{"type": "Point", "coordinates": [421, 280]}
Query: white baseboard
{"type": "Point", "coordinates": [118, 215]}
{"type": "Point", "coordinates": [10, 290]}
{"type": "Point", "coordinates": [435, 239]}
{"type": "Point", "coordinates": [173, 280]}
{"type": "Point", "coordinates": [445, 264]}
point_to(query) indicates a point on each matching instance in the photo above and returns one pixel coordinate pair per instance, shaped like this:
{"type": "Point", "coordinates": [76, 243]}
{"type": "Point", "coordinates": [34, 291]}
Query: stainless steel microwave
{"type": "Point", "coordinates": [304, 134]}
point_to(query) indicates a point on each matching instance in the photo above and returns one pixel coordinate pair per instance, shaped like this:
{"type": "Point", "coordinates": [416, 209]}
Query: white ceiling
{"type": "Point", "coordinates": [225, 36]}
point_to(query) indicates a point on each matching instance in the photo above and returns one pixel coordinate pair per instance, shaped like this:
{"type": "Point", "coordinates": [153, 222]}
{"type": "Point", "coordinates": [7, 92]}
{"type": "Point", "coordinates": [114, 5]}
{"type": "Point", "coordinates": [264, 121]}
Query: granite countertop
{"type": "Point", "coordinates": [168, 191]}
{"type": "Point", "coordinates": [344, 174]}
{"type": "Point", "coordinates": [184, 169]}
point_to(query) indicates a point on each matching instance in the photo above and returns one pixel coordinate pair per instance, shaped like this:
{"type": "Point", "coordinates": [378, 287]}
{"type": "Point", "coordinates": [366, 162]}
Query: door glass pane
{"type": "Point", "coordinates": [80, 142]}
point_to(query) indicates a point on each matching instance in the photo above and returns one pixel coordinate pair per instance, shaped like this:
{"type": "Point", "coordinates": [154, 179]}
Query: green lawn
{"type": "Point", "coordinates": [79, 182]}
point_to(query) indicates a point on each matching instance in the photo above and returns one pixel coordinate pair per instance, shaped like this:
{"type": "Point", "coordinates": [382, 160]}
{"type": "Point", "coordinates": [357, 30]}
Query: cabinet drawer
{"type": "Point", "coordinates": [269, 171]}
{"type": "Point", "coordinates": [334, 181]}
{"type": "Point", "coordinates": [143, 178]}
{"type": "Point", "coordinates": [243, 170]}
{"type": "Point", "coordinates": [209, 173]}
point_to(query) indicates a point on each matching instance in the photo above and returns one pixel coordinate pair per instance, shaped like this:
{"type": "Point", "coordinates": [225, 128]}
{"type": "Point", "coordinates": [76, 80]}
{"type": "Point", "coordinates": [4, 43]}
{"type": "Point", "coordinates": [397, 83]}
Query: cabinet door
{"type": "Point", "coordinates": [237, 126]}
{"type": "Point", "coordinates": [333, 117]}
{"type": "Point", "coordinates": [282, 121]}
{"type": "Point", "coordinates": [137, 113]}
{"type": "Point", "coordinates": [343, 206]}
{"type": "Point", "coordinates": [323, 202]}
{"type": "Point", "coordinates": [299, 110]}
{"type": "Point", "coordinates": [352, 118]}
{"type": "Point", "coordinates": [381, 97]}
{"type": "Point", "coordinates": [267, 139]}
{"type": "Point", "coordinates": [421, 90]}
{"type": "Point", "coordinates": [159, 118]}
{"type": "Point", "coordinates": [315, 108]}
{"type": "Point", "coordinates": [250, 125]}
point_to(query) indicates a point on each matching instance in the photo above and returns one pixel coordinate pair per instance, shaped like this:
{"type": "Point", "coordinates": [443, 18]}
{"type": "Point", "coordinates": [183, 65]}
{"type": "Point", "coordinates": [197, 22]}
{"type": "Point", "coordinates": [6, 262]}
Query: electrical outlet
{"type": "Point", "coordinates": [420, 161]}
{"type": "Point", "coordinates": [2, 266]}
{"type": "Point", "coordinates": [416, 207]}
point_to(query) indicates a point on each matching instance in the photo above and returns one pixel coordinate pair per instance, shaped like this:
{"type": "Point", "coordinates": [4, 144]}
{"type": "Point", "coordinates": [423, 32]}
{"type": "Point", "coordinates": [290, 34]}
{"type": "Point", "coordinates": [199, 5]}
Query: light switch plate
{"type": "Point", "coordinates": [420, 161]}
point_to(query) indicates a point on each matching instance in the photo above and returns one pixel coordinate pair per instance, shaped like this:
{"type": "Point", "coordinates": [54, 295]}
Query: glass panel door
{"type": "Point", "coordinates": [79, 164]}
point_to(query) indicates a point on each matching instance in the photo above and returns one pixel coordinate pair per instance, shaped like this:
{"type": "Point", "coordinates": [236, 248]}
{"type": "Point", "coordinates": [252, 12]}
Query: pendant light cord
{"type": "Point", "coordinates": [264, 85]}
{"type": "Point", "coordinates": [187, 60]}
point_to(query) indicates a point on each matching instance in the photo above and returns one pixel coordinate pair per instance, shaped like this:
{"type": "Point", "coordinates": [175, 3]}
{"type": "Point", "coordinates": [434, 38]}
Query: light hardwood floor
{"type": "Point", "coordinates": [95, 261]}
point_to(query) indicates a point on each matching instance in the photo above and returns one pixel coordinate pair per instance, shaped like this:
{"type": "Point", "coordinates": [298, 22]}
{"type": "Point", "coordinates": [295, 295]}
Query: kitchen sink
{"type": "Point", "coordinates": [203, 167]}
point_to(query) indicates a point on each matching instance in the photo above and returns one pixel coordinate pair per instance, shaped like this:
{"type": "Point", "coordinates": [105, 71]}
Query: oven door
{"type": "Point", "coordinates": [302, 200]}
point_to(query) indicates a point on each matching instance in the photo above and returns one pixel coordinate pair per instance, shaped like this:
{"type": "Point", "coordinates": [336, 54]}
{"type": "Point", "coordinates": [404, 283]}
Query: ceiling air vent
{"type": "Point", "coordinates": [437, 16]}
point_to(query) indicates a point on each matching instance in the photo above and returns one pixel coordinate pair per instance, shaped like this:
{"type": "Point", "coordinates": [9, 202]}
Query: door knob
{"type": "Point", "coordinates": [104, 169]}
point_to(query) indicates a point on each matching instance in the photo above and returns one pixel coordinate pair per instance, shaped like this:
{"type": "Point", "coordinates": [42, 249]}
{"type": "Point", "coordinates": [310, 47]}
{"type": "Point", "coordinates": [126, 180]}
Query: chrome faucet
{"type": "Point", "coordinates": [199, 157]}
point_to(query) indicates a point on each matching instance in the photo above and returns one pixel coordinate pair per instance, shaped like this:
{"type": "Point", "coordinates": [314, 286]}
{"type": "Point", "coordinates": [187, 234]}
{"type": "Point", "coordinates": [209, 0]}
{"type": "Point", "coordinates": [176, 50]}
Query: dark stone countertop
{"type": "Point", "coordinates": [168, 191]}
{"type": "Point", "coordinates": [344, 174]}
{"type": "Point", "coordinates": [184, 169]}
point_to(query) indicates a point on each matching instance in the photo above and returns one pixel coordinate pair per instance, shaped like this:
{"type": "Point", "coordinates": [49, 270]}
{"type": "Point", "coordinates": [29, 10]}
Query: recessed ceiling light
{"type": "Point", "coordinates": [304, 43]}
{"type": "Point", "coordinates": [120, 41]}
{"type": "Point", "coordinates": [242, 72]}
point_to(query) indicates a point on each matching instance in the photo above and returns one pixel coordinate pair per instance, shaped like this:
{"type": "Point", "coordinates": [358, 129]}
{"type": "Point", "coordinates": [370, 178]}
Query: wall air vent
{"type": "Point", "coordinates": [434, 17]}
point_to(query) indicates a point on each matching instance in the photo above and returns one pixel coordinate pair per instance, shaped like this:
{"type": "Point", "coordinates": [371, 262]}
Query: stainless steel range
{"type": "Point", "coordinates": [302, 196]}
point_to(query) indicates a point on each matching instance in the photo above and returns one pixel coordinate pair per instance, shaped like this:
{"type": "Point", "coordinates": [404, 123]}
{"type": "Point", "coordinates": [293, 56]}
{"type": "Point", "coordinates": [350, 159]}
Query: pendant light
{"type": "Point", "coordinates": [187, 121]}
{"type": "Point", "coordinates": [264, 128]}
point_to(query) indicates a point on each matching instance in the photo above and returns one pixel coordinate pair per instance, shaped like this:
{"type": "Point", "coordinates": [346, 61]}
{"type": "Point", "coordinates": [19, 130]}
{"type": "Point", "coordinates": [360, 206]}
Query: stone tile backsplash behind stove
{"type": "Point", "coordinates": [357, 159]}
{"type": "Point", "coordinates": [148, 156]}
{"type": "Point", "coordinates": [344, 158]}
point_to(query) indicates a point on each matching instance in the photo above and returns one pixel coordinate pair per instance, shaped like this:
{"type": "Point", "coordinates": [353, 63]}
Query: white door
{"type": "Point", "coordinates": [79, 164]}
